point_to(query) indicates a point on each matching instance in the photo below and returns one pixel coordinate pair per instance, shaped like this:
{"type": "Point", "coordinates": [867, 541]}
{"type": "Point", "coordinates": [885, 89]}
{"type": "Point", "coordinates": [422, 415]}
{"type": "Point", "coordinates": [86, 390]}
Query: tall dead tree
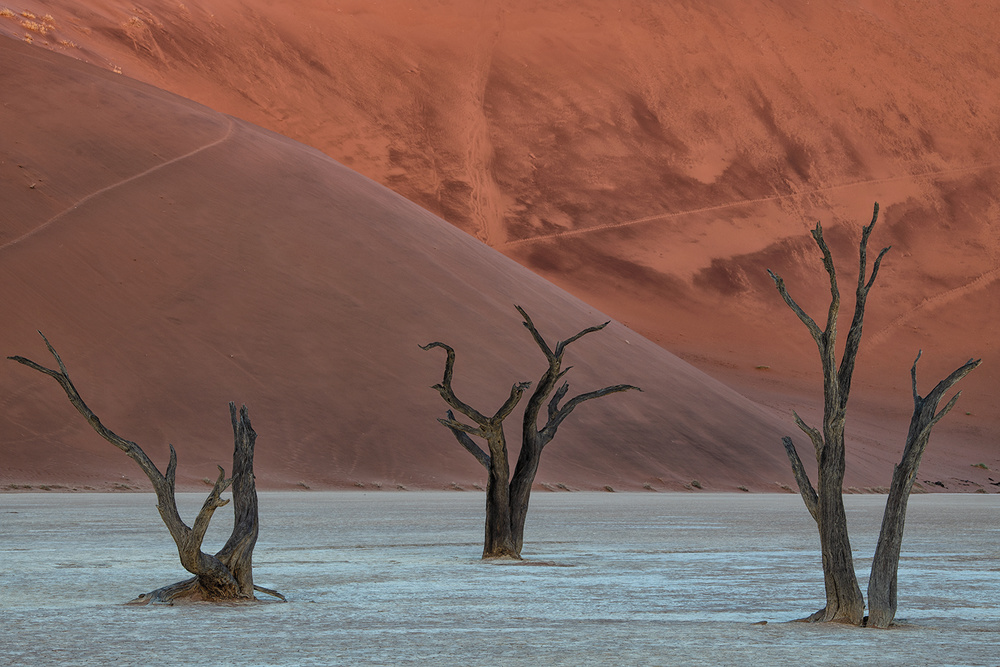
{"type": "Point", "coordinates": [507, 496]}
{"type": "Point", "coordinates": [228, 575]}
{"type": "Point", "coordinates": [825, 502]}
{"type": "Point", "coordinates": [885, 565]}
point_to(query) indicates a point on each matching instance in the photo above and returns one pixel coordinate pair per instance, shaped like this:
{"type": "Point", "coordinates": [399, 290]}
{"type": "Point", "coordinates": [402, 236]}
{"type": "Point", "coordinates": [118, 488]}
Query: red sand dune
{"type": "Point", "coordinates": [178, 258]}
{"type": "Point", "coordinates": [650, 159]}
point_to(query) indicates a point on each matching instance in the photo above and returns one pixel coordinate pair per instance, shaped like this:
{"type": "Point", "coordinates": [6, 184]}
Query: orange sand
{"type": "Point", "coordinates": [651, 160]}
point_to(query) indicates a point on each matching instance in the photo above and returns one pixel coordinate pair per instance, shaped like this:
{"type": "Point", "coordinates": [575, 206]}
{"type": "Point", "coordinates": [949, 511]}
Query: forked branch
{"type": "Point", "coordinates": [448, 394]}
{"type": "Point", "coordinates": [560, 345]}
{"type": "Point", "coordinates": [556, 414]}
{"type": "Point", "coordinates": [444, 387]}
{"type": "Point", "coordinates": [924, 408]}
{"type": "Point", "coordinates": [831, 317]}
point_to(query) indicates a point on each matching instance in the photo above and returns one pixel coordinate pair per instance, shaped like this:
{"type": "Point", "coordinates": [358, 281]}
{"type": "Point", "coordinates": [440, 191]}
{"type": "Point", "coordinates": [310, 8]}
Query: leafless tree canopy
{"type": "Point", "coordinates": [507, 496]}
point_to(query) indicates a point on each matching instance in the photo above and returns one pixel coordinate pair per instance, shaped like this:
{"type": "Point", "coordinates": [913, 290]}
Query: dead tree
{"type": "Point", "coordinates": [228, 575]}
{"type": "Point", "coordinates": [885, 565]}
{"type": "Point", "coordinates": [507, 496]}
{"type": "Point", "coordinates": [825, 502]}
{"type": "Point", "coordinates": [499, 542]}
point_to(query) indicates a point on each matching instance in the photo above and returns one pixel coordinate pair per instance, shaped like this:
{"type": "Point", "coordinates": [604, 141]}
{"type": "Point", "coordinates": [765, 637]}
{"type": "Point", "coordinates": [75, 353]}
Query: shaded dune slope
{"type": "Point", "coordinates": [178, 259]}
{"type": "Point", "coordinates": [650, 158]}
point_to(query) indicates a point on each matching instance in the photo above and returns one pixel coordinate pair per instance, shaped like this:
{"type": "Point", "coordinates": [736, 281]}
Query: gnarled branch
{"type": "Point", "coordinates": [831, 316]}
{"type": "Point", "coordinates": [530, 326]}
{"type": "Point", "coordinates": [924, 407]}
{"type": "Point", "coordinates": [814, 435]}
{"type": "Point", "coordinates": [444, 387]}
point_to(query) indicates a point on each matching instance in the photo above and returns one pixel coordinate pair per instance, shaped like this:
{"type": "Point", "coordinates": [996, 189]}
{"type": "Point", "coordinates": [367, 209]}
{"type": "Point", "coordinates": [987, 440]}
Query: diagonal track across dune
{"type": "Point", "coordinates": [936, 301]}
{"type": "Point", "coordinates": [744, 202]}
{"type": "Point", "coordinates": [229, 131]}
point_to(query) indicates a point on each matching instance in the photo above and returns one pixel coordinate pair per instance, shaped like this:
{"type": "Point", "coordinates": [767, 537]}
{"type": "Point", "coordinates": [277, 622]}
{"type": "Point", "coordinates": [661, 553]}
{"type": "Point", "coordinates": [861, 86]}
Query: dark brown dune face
{"type": "Point", "coordinates": [652, 159]}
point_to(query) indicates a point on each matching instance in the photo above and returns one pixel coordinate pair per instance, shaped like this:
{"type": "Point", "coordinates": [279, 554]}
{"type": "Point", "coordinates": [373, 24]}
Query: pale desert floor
{"type": "Point", "coordinates": [394, 578]}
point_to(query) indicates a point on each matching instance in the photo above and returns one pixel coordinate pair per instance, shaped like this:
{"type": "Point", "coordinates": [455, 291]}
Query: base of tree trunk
{"type": "Point", "coordinates": [822, 617]}
{"type": "Point", "coordinates": [501, 550]}
{"type": "Point", "coordinates": [502, 556]}
{"type": "Point", "coordinates": [192, 590]}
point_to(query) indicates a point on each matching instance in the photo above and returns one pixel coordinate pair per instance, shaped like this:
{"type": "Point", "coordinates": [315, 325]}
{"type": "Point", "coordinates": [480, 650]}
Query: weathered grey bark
{"type": "Point", "coordinates": [844, 601]}
{"type": "Point", "coordinates": [507, 501]}
{"type": "Point", "coordinates": [228, 574]}
{"type": "Point", "coordinates": [885, 565]}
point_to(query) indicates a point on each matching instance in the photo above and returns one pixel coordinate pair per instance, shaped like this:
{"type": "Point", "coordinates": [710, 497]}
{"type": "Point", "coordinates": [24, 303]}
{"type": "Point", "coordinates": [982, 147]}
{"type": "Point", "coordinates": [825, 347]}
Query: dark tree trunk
{"type": "Point", "coordinates": [885, 565]}
{"type": "Point", "coordinates": [507, 502]}
{"type": "Point", "coordinates": [237, 554]}
{"type": "Point", "coordinates": [228, 574]}
{"type": "Point", "coordinates": [498, 541]}
{"type": "Point", "coordinates": [844, 601]}
{"type": "Point", "coordinates": [843, 595]}
{"type": "Point", "coordinates": [520, 492]}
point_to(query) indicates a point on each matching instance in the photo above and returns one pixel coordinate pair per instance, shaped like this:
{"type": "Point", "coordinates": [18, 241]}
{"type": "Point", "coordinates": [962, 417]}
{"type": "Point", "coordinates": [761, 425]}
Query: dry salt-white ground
{"type": "Point", "coordinates": [389, 578]}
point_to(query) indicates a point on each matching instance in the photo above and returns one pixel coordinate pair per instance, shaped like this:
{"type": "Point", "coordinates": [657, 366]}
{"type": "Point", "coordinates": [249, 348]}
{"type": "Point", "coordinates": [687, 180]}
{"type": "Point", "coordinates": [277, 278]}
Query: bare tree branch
{"type": "Point", "coordinates": [61, 376]}
{"type": "Point", "coordinates": [936, 394]}
{"type": "Point", "coordinates": [831, 317]}
{"type": "Point", "coordinates": [530, 326]}
{"type": "Point", "coordinates": [923, 408]}
{"type": "Point", "coordinates": [444, 387]}
{"type": "Point", "coordinates": [556, 417]}
{"type": "Point", "coordinates": [561, 346]}
{"type": "Point", "coordinates": [461, 433]}
{"type": "Point", "coordinates": [806, 489]}
{"type": "Point", "coordinates": [913, 380]}
{"type": "Point", "coordinates": [814, 435]}
{"type": "Point", "coordinates": [810, 323]}
{"type": "Point", "coordinates": [553, 410]}
{"type": "Point", "coordinates": [853, 342]}
{"type": "Point", "coordinates": [516, 392]}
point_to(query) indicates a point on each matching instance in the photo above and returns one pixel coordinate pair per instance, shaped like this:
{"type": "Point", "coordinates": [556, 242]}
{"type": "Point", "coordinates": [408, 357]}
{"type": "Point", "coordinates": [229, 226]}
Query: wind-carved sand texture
{"type": "Point", "coordinates": [652, 160]}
